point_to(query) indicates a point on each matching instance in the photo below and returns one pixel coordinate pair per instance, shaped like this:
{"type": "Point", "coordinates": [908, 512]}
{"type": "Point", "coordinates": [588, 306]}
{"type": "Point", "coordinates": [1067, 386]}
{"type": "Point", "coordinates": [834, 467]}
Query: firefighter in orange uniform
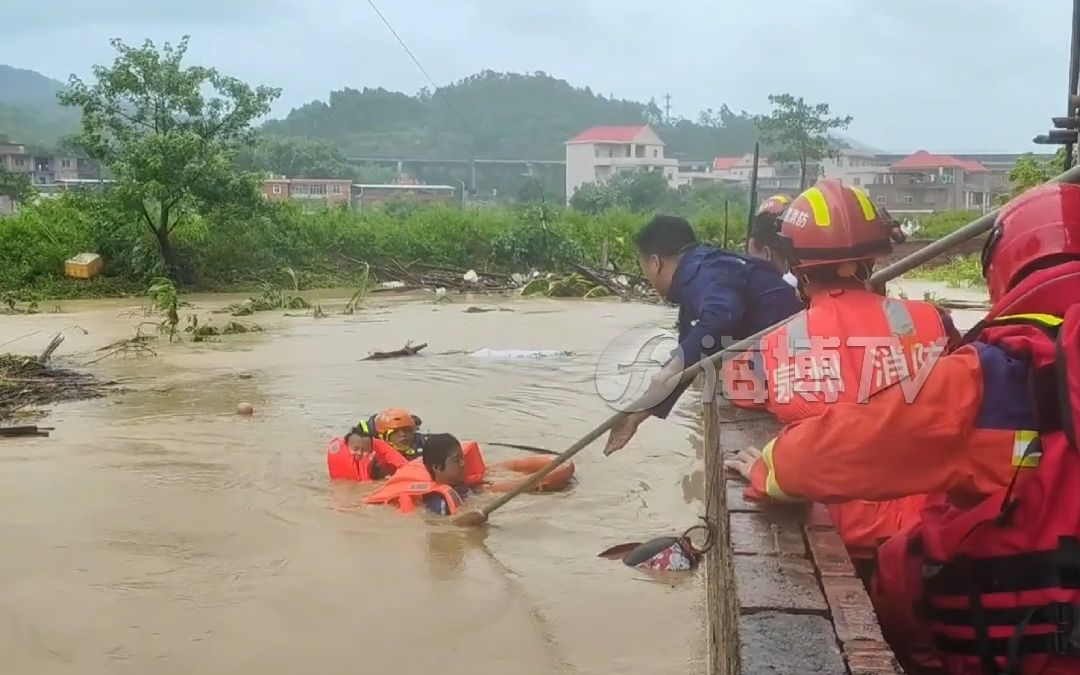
{"type": "Point", "coordinates": [992, 427]}
{"type": "Point", "coordinates": [850, 342]}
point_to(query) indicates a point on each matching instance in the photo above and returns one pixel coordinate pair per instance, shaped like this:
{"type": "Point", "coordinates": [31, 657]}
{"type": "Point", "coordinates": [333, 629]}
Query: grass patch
{"type": "Point", "coordinates": [962, 271]}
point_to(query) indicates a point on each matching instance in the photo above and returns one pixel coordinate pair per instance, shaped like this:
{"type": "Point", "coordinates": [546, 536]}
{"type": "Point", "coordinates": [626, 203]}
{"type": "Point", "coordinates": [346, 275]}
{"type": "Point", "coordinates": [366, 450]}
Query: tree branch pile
{"type": "Point", "coordinates": [30, 381]}
{"type": "Point", "coordinates": [421, 275]}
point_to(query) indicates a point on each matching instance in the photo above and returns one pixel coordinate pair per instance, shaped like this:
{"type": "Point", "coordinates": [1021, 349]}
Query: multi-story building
{"type": "Point", "coordinates": [326, 191]}
{"type": "Point", "coordinates": [597, 154]}
{"type": "Point", "coordinates": [924, 183]}
{"type": "Point", "coordinates": [42, 169]}
{"type": "Point", "coordinates": [854, 166]}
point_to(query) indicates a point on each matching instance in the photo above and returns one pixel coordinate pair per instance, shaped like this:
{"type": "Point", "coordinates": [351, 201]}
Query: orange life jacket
{"type": "Point", "coordinates": [409, 486]}
{"type": "Point", "coordinates": [412, 482]}
{"type": "Point", "coordinates": [343, 464]}
{"type": "Point", "coordinates": [848, 345]}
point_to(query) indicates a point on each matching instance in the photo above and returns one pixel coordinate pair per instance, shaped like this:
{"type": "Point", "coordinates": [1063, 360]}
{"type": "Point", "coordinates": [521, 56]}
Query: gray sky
{"type": "Point", "coordinates": [942, 75]}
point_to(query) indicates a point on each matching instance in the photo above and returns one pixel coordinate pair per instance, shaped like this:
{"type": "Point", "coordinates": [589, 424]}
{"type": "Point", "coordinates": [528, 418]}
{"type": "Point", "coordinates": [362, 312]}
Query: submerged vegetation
{"type": "Point", "coordinates": [962, 271]}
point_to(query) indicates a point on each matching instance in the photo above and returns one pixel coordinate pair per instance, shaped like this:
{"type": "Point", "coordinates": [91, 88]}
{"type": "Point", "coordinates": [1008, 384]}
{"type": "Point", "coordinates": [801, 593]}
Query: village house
{"type": "Point", "coordinates": [597, 154]}
{"type": "Point", "coordinates": [923, 182]}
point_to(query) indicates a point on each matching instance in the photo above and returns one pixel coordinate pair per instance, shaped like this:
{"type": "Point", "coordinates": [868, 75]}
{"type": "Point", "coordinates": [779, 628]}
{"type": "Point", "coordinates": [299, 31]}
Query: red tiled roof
{"type": "Point", "coordinates": [608, 134]}
{"type": "Point", "coordinates": [927, 160]}
{"type": "Point", "coordinates": [724, 163]}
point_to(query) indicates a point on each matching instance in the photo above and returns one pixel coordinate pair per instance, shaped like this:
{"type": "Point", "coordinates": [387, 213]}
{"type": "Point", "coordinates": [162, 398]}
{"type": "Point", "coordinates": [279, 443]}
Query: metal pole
{"type": "Point", "coordinates": [725, 223]}
{"type": "Point", "coordinates": [753, 194]}
{"type": "Point", "coordinates": [1074, 73]}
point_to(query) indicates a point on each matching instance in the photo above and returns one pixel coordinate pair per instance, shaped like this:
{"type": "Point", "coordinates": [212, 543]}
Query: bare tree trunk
{"type": "Point", "coordinates": [168, 253]}
{"type": "Point", "coordinates": [802, 173]}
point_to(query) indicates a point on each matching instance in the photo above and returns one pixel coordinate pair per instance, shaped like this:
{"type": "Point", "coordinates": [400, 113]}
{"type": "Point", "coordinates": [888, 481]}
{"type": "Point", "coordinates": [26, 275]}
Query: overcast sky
{"type": "Point", "coordinates": [943, 75]}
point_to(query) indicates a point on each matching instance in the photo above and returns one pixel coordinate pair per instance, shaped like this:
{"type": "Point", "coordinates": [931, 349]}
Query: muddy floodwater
{"type": "Point", "coordinates": [158, 532]}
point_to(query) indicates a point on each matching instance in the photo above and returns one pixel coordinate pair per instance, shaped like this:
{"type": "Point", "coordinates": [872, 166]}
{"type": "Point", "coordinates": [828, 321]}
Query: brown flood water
{"type": "Point", "coordinates": [157, 532]}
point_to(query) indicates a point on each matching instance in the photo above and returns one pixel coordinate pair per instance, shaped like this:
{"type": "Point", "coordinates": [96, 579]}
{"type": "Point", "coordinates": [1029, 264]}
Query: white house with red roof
{"type": "Point", "coordinates": [924, 182]}
{"type": "Point", "coordinates": [597, 154]}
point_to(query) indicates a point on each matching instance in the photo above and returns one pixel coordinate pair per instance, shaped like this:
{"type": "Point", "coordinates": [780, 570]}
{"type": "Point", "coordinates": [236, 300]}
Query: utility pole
{"type": "Point", "coordinates": [667, 108]}
{"type": "Point", "coordinates": [1066, 129]}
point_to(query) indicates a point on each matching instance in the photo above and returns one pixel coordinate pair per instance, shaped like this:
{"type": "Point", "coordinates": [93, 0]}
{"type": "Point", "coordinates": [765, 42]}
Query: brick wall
{"type": "Point", "coordinates": [802, 609]}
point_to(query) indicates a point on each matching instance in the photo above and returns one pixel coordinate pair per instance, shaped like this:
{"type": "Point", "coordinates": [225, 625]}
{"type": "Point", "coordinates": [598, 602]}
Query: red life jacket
{"type": "Point", "coordinates": [409, 486]}
{"type": "Point", "coordinates": [1000, 582]}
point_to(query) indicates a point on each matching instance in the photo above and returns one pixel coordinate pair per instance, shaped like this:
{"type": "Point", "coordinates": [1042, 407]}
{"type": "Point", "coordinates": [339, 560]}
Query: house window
{"type": "Point", "coordinates": [318, 189]}
{"type": "Point", "coordinates": [639, 151]}
{"type": "Point", "coordinates": [65, 163]}
{"type": "Point", "coordinates": [880, 199]}
{"type": "Point", "coordinates": [298, 190]}
{"type": "Point", "coordinates": [276, 189]}
{"type": "Point", "coordinates": [655, 152]}
{"type": "Point", "coordinates": [855, 180]}
{"type": "Point", "coordinates": [596, 151]}
{"type": "Point", "coordinates": [337, 189]}
{"type": "Point", "coordinates": [906, 199]}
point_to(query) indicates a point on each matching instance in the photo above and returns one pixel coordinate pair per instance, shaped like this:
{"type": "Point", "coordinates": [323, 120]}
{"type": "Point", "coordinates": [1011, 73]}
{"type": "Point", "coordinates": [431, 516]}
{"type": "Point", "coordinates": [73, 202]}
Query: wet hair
{"type": "Point", "coordinates": [665, 236]}
{"type": "Point", "coordinates": [437, 448]}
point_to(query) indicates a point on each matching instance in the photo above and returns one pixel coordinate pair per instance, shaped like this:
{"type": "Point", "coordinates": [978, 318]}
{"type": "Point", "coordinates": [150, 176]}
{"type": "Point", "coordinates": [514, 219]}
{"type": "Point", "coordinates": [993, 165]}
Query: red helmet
{"type": "Point", "coordinates": [1041, 223]}
{"type": "Point", "coordinates": [774, 206]}
{"type": "Point", "coordinates": [832, 223]}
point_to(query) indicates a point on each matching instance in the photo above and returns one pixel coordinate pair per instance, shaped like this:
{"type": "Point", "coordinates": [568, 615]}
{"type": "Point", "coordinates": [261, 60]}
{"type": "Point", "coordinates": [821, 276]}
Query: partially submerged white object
{"type": "Point", "coordinates": [392, 284]}
{"type": "Point", "coordinates": [471, 276]}
{"type": "Point", "coordinates": [518, 353]}
{"type": "Point", "coordinates": [440, 291]}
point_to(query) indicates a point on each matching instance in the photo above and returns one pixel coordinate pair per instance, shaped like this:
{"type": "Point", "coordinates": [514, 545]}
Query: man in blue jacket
{"type": "Point", "coordinates": [721, 296]}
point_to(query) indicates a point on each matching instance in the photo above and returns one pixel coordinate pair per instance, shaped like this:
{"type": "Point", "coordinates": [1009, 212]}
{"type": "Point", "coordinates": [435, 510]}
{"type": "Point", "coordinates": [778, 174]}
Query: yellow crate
{"type": "Point", "coordinates": [83, 266]}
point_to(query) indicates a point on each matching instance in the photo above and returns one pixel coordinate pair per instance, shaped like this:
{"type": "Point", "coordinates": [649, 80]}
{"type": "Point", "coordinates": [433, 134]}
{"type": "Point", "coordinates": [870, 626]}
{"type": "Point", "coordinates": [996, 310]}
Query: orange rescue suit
{"type": "Point", "coordinates": [847, 346]}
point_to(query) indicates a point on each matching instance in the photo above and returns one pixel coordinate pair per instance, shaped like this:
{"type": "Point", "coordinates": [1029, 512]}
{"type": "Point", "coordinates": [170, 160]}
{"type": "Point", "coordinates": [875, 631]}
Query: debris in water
{"type": "Point", "coordinates": [245, 409]}
{"type": "Point", "coordinates": [519, 353]}
{"type": "Point", "coordinates": [27, 381]}
{"type": "Point", "coordinates": [407, 350]}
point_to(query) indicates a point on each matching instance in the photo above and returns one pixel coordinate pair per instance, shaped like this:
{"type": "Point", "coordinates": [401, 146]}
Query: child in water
{"type": "Point", "coordinates": [444, 460]}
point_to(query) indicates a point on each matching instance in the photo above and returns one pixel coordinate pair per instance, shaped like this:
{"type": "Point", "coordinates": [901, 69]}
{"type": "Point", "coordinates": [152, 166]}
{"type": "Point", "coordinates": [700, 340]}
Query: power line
{"type": "Point", "coordinates": [402, 43]}
{"type": "Point", "coordinates": [434, 87]}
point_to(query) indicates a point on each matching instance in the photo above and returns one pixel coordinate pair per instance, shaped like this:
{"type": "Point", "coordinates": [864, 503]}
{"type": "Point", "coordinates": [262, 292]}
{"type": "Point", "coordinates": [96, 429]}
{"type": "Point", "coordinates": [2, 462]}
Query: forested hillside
{"type": "Point", "coordinates": [503, 115]}
{"type": "Point", "coordinates": [29, 111]}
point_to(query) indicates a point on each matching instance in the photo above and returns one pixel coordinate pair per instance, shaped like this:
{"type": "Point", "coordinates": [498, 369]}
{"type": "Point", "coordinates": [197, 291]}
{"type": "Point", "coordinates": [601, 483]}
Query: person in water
{"type": "Point", "coordinates": [438, 479]}
{"type": "Point", "coordinates": [396, 426]}
{"type": "Point", "coordinates": [721, 296]}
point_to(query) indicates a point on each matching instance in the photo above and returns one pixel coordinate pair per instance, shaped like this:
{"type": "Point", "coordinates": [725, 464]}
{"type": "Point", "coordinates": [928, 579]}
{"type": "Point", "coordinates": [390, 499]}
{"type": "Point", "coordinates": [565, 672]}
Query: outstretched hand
{"type": "Point", "coordinates": [472, 518]}
{"type": "Point", "coordinates": [743, 462]}
{"type": "Point", "coordinates": [623, 431]}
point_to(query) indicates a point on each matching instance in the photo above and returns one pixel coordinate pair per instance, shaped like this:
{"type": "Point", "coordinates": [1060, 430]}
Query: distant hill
{"type": "Point", "coordinates": [498, 115]}
{"type": "Point", "coordinates": [29, 111]}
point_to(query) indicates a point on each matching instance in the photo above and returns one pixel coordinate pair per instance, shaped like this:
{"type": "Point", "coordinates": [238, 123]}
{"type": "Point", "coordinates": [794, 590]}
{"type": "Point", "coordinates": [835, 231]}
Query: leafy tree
{"type": "Point", "coordinates": [16, 186]}
{"type": "Point", "coordinates": [1029, 171]}
{"type": "Point", "coordinates": [799, 131]}
{"type": "Point", "coordinates": [169, 134]}
{"type": "Point", "coordinates": [641, 191]}
{"type": "Point", "coordinates": [595, 198]}
{"type": "Point", "coordinates": [295, 157]}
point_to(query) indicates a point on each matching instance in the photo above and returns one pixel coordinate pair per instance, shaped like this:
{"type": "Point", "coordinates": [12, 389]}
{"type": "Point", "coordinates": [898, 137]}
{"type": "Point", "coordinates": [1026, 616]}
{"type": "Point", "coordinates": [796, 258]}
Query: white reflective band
{"type": "Point", "coordinates": [898, 316]}
{"type": "Point", "coordinates": [798, 334]}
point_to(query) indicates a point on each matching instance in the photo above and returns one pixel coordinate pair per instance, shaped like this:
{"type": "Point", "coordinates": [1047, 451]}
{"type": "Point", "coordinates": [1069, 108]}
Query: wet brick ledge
{"type": "Point", "coordinates": [802, 608]}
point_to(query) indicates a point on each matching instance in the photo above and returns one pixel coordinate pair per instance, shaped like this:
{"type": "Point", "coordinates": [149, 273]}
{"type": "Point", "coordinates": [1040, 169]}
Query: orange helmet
{"type": "Point", "coordinates": [393, 419]}
{"type": "Point", "coordinates": [833, 223]}
{"type": "Point", "coordinates": [774, 206]}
